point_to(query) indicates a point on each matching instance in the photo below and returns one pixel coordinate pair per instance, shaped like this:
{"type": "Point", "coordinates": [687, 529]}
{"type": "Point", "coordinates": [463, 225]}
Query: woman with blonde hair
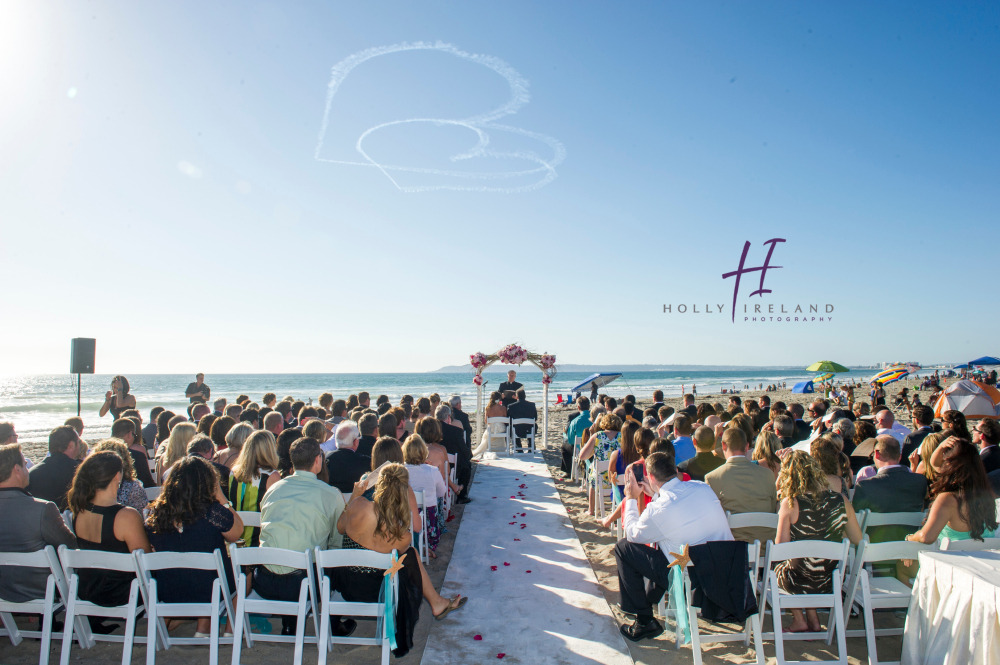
{"type": "Point", "coordinates": [745, 423]}
{"type": "Point", "coordinates": [765, 452]}
{"type": "Point", "coordinates": [130, 491]}
{"type": "Point", "coordinates": [426, 478]}
{"type": "Point", "coordinates": [174, 448]}
{"type": "Point", "coordinates": [825, 451]}
{"type": "Point", "coordinates": [253, 473]}
{"type": "Point", "coordinates": [810, 510]}
{"type": "Point", "coordinates": [235, 438]}
{"type": "Point", "coordinates": [920, 458]}
{"type": "Point", "coordinates": [378, 519]}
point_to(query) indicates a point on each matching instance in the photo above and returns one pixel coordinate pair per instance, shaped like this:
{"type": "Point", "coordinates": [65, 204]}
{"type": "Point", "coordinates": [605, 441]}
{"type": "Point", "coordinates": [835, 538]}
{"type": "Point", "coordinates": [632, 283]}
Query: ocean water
{"type": "Point", "coordinates": [36, 404]}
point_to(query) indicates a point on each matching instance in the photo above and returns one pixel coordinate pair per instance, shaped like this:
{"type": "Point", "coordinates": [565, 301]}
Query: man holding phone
{"type": "Point", "coordinates": [199, 390]}
{"type": "Point", "coordinates": [682, 513]}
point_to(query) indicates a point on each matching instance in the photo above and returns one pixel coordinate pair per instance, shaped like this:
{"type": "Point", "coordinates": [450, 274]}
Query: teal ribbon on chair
{"type": "Point", "coordinates": [389, 597]}
{"type": "Point", "coordinates": [616, 496]}
{"type": "Point", "coordinates": [679, 601]}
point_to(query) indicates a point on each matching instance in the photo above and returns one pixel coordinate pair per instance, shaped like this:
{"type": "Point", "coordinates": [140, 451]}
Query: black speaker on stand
{"type": "Point", "coordinates": [81, 361]}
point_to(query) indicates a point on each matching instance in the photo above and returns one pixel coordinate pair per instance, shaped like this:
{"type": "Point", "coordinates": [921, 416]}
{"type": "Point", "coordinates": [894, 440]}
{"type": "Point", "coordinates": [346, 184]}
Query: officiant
{"type": "Point", "coordinates": [511, 383]}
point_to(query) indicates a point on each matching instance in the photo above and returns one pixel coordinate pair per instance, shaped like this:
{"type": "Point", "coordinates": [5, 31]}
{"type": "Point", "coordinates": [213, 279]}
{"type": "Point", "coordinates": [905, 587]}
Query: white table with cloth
{"type": "Point", "coordinates": [954, 613]}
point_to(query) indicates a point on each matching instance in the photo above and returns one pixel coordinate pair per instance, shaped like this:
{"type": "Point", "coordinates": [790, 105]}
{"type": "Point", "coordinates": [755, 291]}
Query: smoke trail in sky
{"type": "Point", "coordinates": [479, 124]}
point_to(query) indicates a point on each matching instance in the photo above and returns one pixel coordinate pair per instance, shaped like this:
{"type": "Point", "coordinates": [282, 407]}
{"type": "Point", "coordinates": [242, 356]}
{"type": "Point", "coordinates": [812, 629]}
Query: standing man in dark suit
{"type": "Point", "coordinates": [802, 429]}
{"type": "Point", "coordinates": [923, 416]}
{"type": "Point", "coordinates": [346, 465]}
{"type": "Point", "coordinates": [657, 400]}
{"type": "Point", "coordinates": [987, 436]}
{"type": "Point", "coordinates": [689, 407]}
{"type": "Point", "coordinates": [522, 408]}
{"type": "Point", "coordinates": [765, 410]}
{"type": "Point", "coordinates": [510, 384]}
{"type": "Point", "coordinates": [51, 478]}
{"type": "Point", "coordinates": [461, 417]}
{"type": "Point", "coordinates": [894, 489]}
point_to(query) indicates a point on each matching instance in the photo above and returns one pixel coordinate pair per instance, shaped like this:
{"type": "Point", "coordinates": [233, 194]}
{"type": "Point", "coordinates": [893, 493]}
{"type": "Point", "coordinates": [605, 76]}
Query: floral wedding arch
{"type": "Point", "coordinates": [512, 354]}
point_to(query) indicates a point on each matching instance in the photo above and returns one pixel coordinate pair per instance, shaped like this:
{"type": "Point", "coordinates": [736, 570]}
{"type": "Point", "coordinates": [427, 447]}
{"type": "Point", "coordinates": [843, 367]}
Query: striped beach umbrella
{"type": "Point", "coordinates": [823, 377]}
{"type": "Point", "coordinates": [889, 375]}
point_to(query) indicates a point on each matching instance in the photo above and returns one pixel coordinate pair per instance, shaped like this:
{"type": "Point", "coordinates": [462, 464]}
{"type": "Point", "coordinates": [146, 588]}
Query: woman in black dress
{"type": "Point", "coordinates": [101, 523]}
{"type": "Point", "coordinates": [192, 515]}
{"type": "Point", "coordinates": [379, 520]}
{"type": "Point", "coordinates": [118, 398]}
{"type": "Point", "coordinates": [810, 510]}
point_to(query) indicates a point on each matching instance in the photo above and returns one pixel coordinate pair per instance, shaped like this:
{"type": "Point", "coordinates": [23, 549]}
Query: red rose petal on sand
{"type": "Point", "coordinates": [524, 514]}
{"type": "Point", "coordinates": [478, 638]}
{"type": "Point", "coordinates": [511, 522]}
{"type": "Point", "coordinates": [516, 539]}
{"type": "Point", "coordinates": [512, 496]}
{"type": "Point", "coordinates": [501, 655]}
{"type": "Point", "coordinates": [493, 567]}
{"type": "Point", "coordinates": [523, 525]}
{"type": "Point", "coordinates": [494, 497]}
{"type": "Point", "coordinates": [505, 563]}
{"type": "Point", "coordinates": [527, 571]}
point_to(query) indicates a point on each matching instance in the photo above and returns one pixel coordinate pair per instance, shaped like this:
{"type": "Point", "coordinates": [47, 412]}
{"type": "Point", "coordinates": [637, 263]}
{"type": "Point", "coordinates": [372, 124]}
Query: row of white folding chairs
{"type": "Point", "coordinates": [143, 596]}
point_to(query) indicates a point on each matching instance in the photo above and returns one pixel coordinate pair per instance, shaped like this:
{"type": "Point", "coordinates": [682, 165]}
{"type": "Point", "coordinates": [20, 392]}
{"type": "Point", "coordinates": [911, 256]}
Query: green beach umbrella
{"type": "Point", "coordinates": [826, 366]}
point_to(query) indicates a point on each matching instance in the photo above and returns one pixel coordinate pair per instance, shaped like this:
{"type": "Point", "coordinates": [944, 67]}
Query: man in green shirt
{"type": "Point", "coordinates": [573, 430]}
{"type": "Point", "coordinates": [298, 513]}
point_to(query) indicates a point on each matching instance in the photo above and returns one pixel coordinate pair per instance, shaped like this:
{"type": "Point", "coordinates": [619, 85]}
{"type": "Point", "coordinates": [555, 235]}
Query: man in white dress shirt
{"type": "Point", "coordinates": [886, 423]}
{"type": "Point", "coordinates": [682, 513]}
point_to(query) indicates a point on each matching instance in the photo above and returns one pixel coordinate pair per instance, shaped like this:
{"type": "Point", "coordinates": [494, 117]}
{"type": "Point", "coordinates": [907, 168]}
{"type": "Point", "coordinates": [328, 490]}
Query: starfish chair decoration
{"type": "Point", "coordinates": [397, 566]}
{"type": "Point", "coordinates": [681, 560]}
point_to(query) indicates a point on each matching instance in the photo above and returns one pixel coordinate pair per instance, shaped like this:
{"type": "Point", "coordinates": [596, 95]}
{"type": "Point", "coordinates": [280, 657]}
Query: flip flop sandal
{"type": "Point", "coordinates": [448, 610]}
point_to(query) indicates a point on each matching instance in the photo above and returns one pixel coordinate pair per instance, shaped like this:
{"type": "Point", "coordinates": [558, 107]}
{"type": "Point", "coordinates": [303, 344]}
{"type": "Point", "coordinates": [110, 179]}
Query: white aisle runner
{"type": "Point", "coordinates": [555, 613]}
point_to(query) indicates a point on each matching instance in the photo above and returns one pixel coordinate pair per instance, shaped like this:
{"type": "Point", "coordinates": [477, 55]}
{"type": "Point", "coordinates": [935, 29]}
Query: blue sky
{"type": "Point", "coordinates": [161, 191]}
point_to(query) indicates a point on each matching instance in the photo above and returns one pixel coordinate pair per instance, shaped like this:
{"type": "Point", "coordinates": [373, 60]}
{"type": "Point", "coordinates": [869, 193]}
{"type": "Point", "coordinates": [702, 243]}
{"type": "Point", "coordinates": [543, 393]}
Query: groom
{"type": "Point", "coordinates": [522, 408]}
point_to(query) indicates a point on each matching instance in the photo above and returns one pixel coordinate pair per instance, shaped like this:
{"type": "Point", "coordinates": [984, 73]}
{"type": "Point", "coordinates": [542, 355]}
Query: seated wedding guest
{"type": "Point", "coordinates": [681, 513]}
{"type": "Point", "coordinates": [250, 417]}
{"type": "Point", "coordinates": [174, 448]}
{"type": "Point", "coordinates": [599, 449]}
{"type": "Point", "coordinates": [453, 439]}
{"type": "Point", "coordinates": [400, 415]}
{"type": "Point", "coordinates": [205, 424]}
{"type": "Point", "coordinates": [894, 489]}
{"type": "Point", "coordinates": [27, 524]}
{"type": "Point", "coordinates": [203, 447]}
{"type": "Point", "coordinates": [765, 452]}
{"type": "Point", "coordinates": [378, 519]}
{"type": "Point", "coordinates": [844, 427]}
{"type": "Point", "coordinates": [285, 409]}
{"type": "Point", "coordinates": [102, 523]}
{"type": "Point", "coordinates": [192, 515]}
{"type": "Point", "coordinates": [705, 460]}
{"type": "Point", "coordinates": [744, 487]}
{"type": "Point", "coordinates": [130, 491]}
{"type": "Point", "coordinates": [810, 510]}
{"type": "Point", "coordinates": [51, 478]}
{"type": "Point", "coordinates": [986, 435]}
{"type": "Point", "coordinates": [298, 513]}
{"type": "Point", "coordinates": [274, 423]}
{"type": "Point", "coordinates": [641, 442]}
{"type": "Point", "coordinates": [219, 407]}
{"type": "Point", "coordinates": [163, 428]}
{"type": "Point", "coordinates": [199, 411]}
{"type": "Point", "coordinates": [429, 429]}
{"type": "Point", "coordinates": [7, 434]}
{"type": "Point", "coordinates": [346, 465]}
{"type": "Point", "coordinates": [368, 425]}
{"type": "Point", "coordinates": [802, 429]}
{"type": "Point", "coordinates": [125, 430]}
{"type": "Point", "coordinates": [596, 411]}
{"type": "Point", "coordinates": [149, 431]}
{"type": "Point", "coordinates": [285, 441]}
{"type": "Point", "coordinates": [387, 425]}
{"type": "Point", "coordinates": [425, 477]}
{"type": "Point", "coordinates": [235, 438]}
{"type": "Point", "coordinates": [460, 416]}
{"type": "Point", "coordinates": [926, 450]}
{"type": "Point", "coordinates": [254, 472]}
{"type": "Point", "coordinates": [220, 428]}
{"type": "Point", "coordinates": [316, 429]}
{"type": "Point", "coordinates": [683, 445]}
{"type": "Point", "coordinates": [923, 417]}
{"type": "Point", "coordinates": [886, 423]}
{"type": "Point", "coordinates": [964, 507]}
{"type": "Point", "coordinates": [827, 455]}
{"type": "Point", "coordinates": [627, 453]}
{"type": "Point", "coordinates": [663, 414]}
{"type": "Point", "coordinates": [234, 411]}
{"type": "Point", "coordinates": [76, 423]}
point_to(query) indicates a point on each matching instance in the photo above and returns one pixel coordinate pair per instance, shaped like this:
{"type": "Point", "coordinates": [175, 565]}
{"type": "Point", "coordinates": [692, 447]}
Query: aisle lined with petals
{"type": "Point", "coordinates": [533, 597]}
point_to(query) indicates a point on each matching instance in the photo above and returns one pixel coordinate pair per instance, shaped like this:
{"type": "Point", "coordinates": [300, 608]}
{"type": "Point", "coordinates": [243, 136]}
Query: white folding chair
{"type": "Point", "coordinates": [422, 540]}
{"type": "Point", "coordinates": [75, 560]}
{"type": "Point", "coordinates": [152, 465]}
{"type": "Point", "coordinates": [453, 477]}
{"type": "Point", "coordinates": [68, 520]}
{"type": "Point", "coordinates": [334, 604]}
{"type": "Point", "coordinates": [157, 610]}
{"type": "Point", "coordinates": [250, 518]}
{"type": "Point", "coordinates": [499, 430]}
{"type": "Point", "coordinates": [530, 435]}
{"type": "Point", "coordinates": [752, 628]}
{"type": "Point", "coordinates": [891, 519]}
{"type": "Point", "coordinates": [601, 489]}
{"type": "Point", "coordinates": [153, 492]}
{"type": "Point", "coordinates": [772, 594]}
{"type": "Point", "coordinates": [301, 609]}
{"type": "Point", "coordinates": [574, 472]}
{"type": "Point", "coordinates": [878, 593]}
{"type": "Point", "coordinates": [752, 521]}
{"type": "Point", "coordinates": [970, 545]}
{"type": "Point", "coordinates": [850, 493]}
{"type": "Point", "coordinates": [47, 606]}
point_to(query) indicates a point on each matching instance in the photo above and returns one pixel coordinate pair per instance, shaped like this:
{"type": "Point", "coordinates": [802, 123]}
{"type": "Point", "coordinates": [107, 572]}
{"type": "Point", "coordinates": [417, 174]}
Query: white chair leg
{"type": "Point", "coordinates": [838, 619]}
{"type": "Point", "coordinates": [869, 620]}
{"type": "Point", "coordinates": [152, 629]}
{"type": "Point", "coordinates": [11, 627]}
{"type": "Point", "coordinates": [70, 620]}
{"type": "Point", "coordinates": [213, 639]}
{"type": "Point", "coordinates": [46, 646]}
{"type": "Point", "coordinates": [779, 645]}
{"type": "Point", "coordinates": [238, 622]}
{"type": "Point", "coordinates": [758, 642]}
{"type": "Point", "coordinates": [323, 638]}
